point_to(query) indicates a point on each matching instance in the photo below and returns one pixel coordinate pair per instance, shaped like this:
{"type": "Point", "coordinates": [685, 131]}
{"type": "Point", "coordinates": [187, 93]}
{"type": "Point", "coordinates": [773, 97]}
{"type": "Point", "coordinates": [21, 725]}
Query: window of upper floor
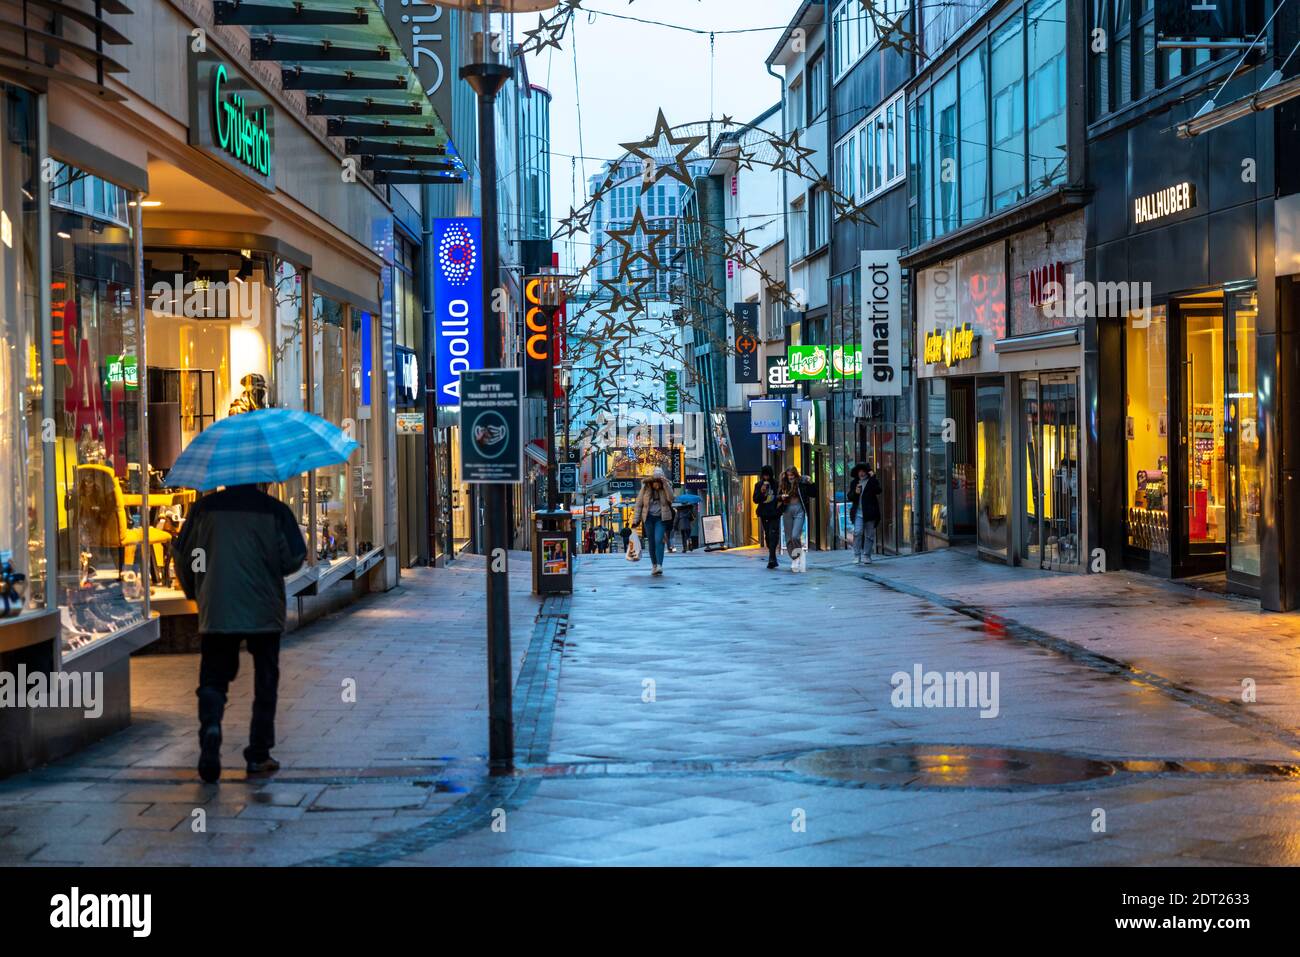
{"type": "Point", "coordinates": [871, 157]}
{"type": "Point", "coordinates": [990, 130]}
{"type": "Point", "coordinates": [1129, 66]}
{"type": "Point", "coordinates": [855, 30]}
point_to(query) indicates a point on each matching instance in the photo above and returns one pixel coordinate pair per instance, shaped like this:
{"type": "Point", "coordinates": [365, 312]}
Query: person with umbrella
{"type": "Point", "coordinates": [684, 520]}
{"type": "Point", "coordinates": [232, 555]}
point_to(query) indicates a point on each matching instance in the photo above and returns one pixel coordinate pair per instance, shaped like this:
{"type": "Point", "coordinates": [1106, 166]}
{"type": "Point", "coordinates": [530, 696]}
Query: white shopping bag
{"type": "Point", "coordinates": [634, 547]}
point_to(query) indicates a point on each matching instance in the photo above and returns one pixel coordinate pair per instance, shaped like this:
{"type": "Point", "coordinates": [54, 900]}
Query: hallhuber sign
{"type": "Point", "coordinates": [1164, 202]}
{"type": "Point", "coordinates": [231, 118]}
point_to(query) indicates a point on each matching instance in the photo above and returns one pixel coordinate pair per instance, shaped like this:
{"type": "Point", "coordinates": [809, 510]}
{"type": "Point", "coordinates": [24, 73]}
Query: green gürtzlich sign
{"type": "Point", "coordinates": [231, 118]}
{"type": "Point", "coordinates": [245, 136]}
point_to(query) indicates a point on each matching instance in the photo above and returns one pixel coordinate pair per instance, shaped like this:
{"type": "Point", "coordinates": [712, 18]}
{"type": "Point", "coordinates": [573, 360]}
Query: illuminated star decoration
{"type": "Point", "coordinates": [577, 221]}
{"type": "Point", "coordinates": [677, 169]}
{"type": "Point", "coordinates": [630, 254]}
{"type": "Point", "coordinates": [791, 156]}
{"type": "Point", "coordinates": [619, 298]}
{"type": "Point", "coordinates": [738, 248]}
{"type": "Point", "coordinates": [549, 33]}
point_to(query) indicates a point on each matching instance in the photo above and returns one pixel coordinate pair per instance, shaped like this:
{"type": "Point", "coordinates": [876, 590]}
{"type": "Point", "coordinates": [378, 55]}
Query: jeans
{"type": "Point", "coordinates": [864, 537]}
{"type": "Point", "coordinates": [218, 666]}
{"type": "Point", "coordinates": [794, 519]}
{"type": "Point", "coordinates": [656, 530]}
{"type": "Point", "coordinates": [686, 539]}
{"type": "Point", "coordinates": [772, 536]}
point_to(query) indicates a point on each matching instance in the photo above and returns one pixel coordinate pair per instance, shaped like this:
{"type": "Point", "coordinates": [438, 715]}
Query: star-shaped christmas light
{"type": "Point", "coordinates": [677, 168]}
{"type": "Point", "coordinates": [630, 254]}
{"type": "Point", "coordinates": [618, 298]}
{"type": "Point", "coordinates": [549, 33]}
{"type": "Point", "coordinates": [739, 248]}
{"type": "Point", "coordinates": [790, 154]}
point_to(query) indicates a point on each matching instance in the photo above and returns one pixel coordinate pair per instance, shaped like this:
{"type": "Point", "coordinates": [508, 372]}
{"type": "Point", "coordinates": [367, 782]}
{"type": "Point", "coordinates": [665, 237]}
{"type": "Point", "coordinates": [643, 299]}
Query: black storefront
{"type": "Point", "coordinates": [1192, 456]}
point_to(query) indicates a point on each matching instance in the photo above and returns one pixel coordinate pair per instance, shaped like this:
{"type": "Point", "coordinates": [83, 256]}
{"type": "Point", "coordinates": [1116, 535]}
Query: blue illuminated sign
{"type": "Point", "coordinates": [457, 303]}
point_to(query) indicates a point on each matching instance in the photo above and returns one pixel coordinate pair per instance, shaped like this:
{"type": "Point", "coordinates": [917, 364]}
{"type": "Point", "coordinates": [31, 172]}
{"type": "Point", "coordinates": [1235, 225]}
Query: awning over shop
{"type": "Point", "coordinates": [345, 57]}
{"type": "Point", "coordinates": [536, 450]}
{"type": "Point", "coordinates": [55, 40]}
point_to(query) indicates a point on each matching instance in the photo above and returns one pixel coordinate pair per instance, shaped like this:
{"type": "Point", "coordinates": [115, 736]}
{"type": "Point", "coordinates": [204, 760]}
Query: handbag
{"type": "Point", "coordinates": [634, 547]}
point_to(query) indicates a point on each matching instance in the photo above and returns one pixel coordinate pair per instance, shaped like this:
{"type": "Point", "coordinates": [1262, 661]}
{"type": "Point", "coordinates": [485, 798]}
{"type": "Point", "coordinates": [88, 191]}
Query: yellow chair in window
{"type": "Point", "coordinates": [95, 485]}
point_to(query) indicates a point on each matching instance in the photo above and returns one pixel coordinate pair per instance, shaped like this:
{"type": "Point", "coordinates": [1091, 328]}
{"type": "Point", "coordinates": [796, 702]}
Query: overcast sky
{"type": "Point", "coordinates": [628, 70]}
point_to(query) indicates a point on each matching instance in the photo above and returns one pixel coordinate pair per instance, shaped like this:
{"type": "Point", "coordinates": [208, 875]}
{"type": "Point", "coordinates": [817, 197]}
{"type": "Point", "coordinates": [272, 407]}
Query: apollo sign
{"type": "Point", "coordinates": [457, 304]}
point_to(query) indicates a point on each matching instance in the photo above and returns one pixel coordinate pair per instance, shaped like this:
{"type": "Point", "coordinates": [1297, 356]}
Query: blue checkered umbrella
{"type": "Point", "coordinates": [265, 445]}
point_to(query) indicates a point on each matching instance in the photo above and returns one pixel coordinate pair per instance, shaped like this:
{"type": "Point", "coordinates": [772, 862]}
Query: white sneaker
{"type": "Point", "coordinates": [657, 570]}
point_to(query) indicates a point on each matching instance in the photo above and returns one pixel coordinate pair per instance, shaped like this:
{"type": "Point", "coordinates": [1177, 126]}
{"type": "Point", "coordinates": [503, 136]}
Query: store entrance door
{"type": "Point", "coordinates": [1051, 518]}
{"type": "Point", "coordinates": [1216, 461]}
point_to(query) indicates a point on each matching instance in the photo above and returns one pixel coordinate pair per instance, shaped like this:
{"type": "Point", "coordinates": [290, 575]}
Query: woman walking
{"type": "Point", "coordinates": [768, 511]}
{"type": "Point", "coordinates": [654, 512]}
{"type": "Point", "coordinates": [796, 497]}
{"type": "Point", "coordinates": [864, 511]}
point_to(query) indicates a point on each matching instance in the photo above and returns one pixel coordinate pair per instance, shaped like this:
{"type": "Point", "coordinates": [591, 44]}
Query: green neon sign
{"type": "Point", "coordinates": [246, 138]}
{"type": "Point", "coordinates": [824, 362]}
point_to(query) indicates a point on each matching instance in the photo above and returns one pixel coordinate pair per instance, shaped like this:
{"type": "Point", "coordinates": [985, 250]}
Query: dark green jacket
{"type": "Point", "coordinates": [232, 554]}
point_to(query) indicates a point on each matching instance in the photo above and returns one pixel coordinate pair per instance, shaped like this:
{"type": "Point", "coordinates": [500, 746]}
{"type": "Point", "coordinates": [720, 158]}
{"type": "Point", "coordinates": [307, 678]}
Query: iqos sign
{"type": "Point", "coordinates": [244, 134]}
{"type": "Point", "coordinates": [542, 303]}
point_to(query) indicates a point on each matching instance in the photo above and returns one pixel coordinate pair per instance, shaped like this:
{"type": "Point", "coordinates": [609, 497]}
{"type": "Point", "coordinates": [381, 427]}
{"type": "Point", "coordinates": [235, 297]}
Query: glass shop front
{"type": "Point", "coordinates": [1194, 478]}
{"type": "Point", "coordinates": [999, 417]}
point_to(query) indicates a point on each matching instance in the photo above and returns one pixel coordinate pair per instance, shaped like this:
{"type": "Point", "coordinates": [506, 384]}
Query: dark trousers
{"type": "Point", "coordinates": [772, 536]}
{"type": "Point", "coordinates": [686, 539]}
{"type": "Point", "coordinates": [218, 666]}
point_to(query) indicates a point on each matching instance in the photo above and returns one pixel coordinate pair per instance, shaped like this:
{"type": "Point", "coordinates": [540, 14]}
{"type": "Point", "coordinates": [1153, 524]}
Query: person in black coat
{"type": "Point", "coordinates": [232, 555]}
{"type": "Point", "coordinates": [768, 509]}
{"type": "Point", "coordinates": [864, 511]}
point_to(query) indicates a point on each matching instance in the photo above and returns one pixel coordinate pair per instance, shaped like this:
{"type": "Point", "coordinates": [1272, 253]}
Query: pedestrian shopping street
{"type": "Point", "coordinates": [721, 714]}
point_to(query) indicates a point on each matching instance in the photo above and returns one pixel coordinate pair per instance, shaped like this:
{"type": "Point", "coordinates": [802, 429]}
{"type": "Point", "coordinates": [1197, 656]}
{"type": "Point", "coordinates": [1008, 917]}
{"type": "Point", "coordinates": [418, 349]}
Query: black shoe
{"type": "Point", "coordinates": [263, 767]}
{"type": "Point", "coordinates": [771, 564]}
{"type": "Point", "coordinates": [210, 754]}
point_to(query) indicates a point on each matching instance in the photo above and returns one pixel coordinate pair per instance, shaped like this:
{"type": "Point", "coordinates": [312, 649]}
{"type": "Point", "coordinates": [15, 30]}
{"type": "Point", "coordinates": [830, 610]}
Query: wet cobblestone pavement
{"type": "Point", "coordinates": [724, 714]}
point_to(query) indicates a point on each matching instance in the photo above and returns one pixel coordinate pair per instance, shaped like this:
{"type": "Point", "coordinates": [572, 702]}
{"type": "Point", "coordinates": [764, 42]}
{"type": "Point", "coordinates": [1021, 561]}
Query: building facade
{"type": "Point", "coordinates": [193, 228]}
{"type": "Point", "coordinates": [1192, 444]}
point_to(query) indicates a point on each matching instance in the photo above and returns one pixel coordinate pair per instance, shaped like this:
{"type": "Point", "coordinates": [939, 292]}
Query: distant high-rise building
{"type": "Point", "coordinates": [660, 205]}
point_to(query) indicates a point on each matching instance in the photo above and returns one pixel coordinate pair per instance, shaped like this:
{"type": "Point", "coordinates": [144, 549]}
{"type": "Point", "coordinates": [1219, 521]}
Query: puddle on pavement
{"type": "Point", "coordinates": [940, 766]}
{"type": "Point", "coordinates": [936, 766]}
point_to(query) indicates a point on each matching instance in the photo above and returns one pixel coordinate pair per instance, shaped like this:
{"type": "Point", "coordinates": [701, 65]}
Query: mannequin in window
{"type": "Point", "coordinates": [253, 396]}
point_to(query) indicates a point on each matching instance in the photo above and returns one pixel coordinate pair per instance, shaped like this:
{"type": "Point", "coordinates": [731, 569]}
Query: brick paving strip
{"type": "Point", "coordinates": [534, 710]}
{"type": "Point", "coordinates": [1227, 709]}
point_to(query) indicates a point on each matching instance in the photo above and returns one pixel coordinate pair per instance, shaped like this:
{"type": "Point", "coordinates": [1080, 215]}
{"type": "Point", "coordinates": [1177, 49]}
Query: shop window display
{"type": "Point", "coordinates": [360, 382]}
{"type": "Point", "coordinates": [992, 467]}
{"type": "Point", "coordinates": [1147, 430]}
{"type": "Point", "coordinates": [224, 337]}
{"type": "Point", "coordinates": [98, 470]}
{"type": "Point", "coordinates": [22, 495]}
{"type": "Point", "coordinates": [330, 400]}
{"type": "Point", "coordinates": [1206, 448]}
{"type": "Point", "coordinates": [936, 458]}
{"type": "Point", "coordinates": [1245, 476]}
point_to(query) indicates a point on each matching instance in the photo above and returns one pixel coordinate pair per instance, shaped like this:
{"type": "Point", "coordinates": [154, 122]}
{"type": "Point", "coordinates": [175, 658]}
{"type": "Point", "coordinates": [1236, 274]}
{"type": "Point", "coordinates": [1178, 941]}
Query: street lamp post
{"type": "Point", "coordinates": [486, 31]}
